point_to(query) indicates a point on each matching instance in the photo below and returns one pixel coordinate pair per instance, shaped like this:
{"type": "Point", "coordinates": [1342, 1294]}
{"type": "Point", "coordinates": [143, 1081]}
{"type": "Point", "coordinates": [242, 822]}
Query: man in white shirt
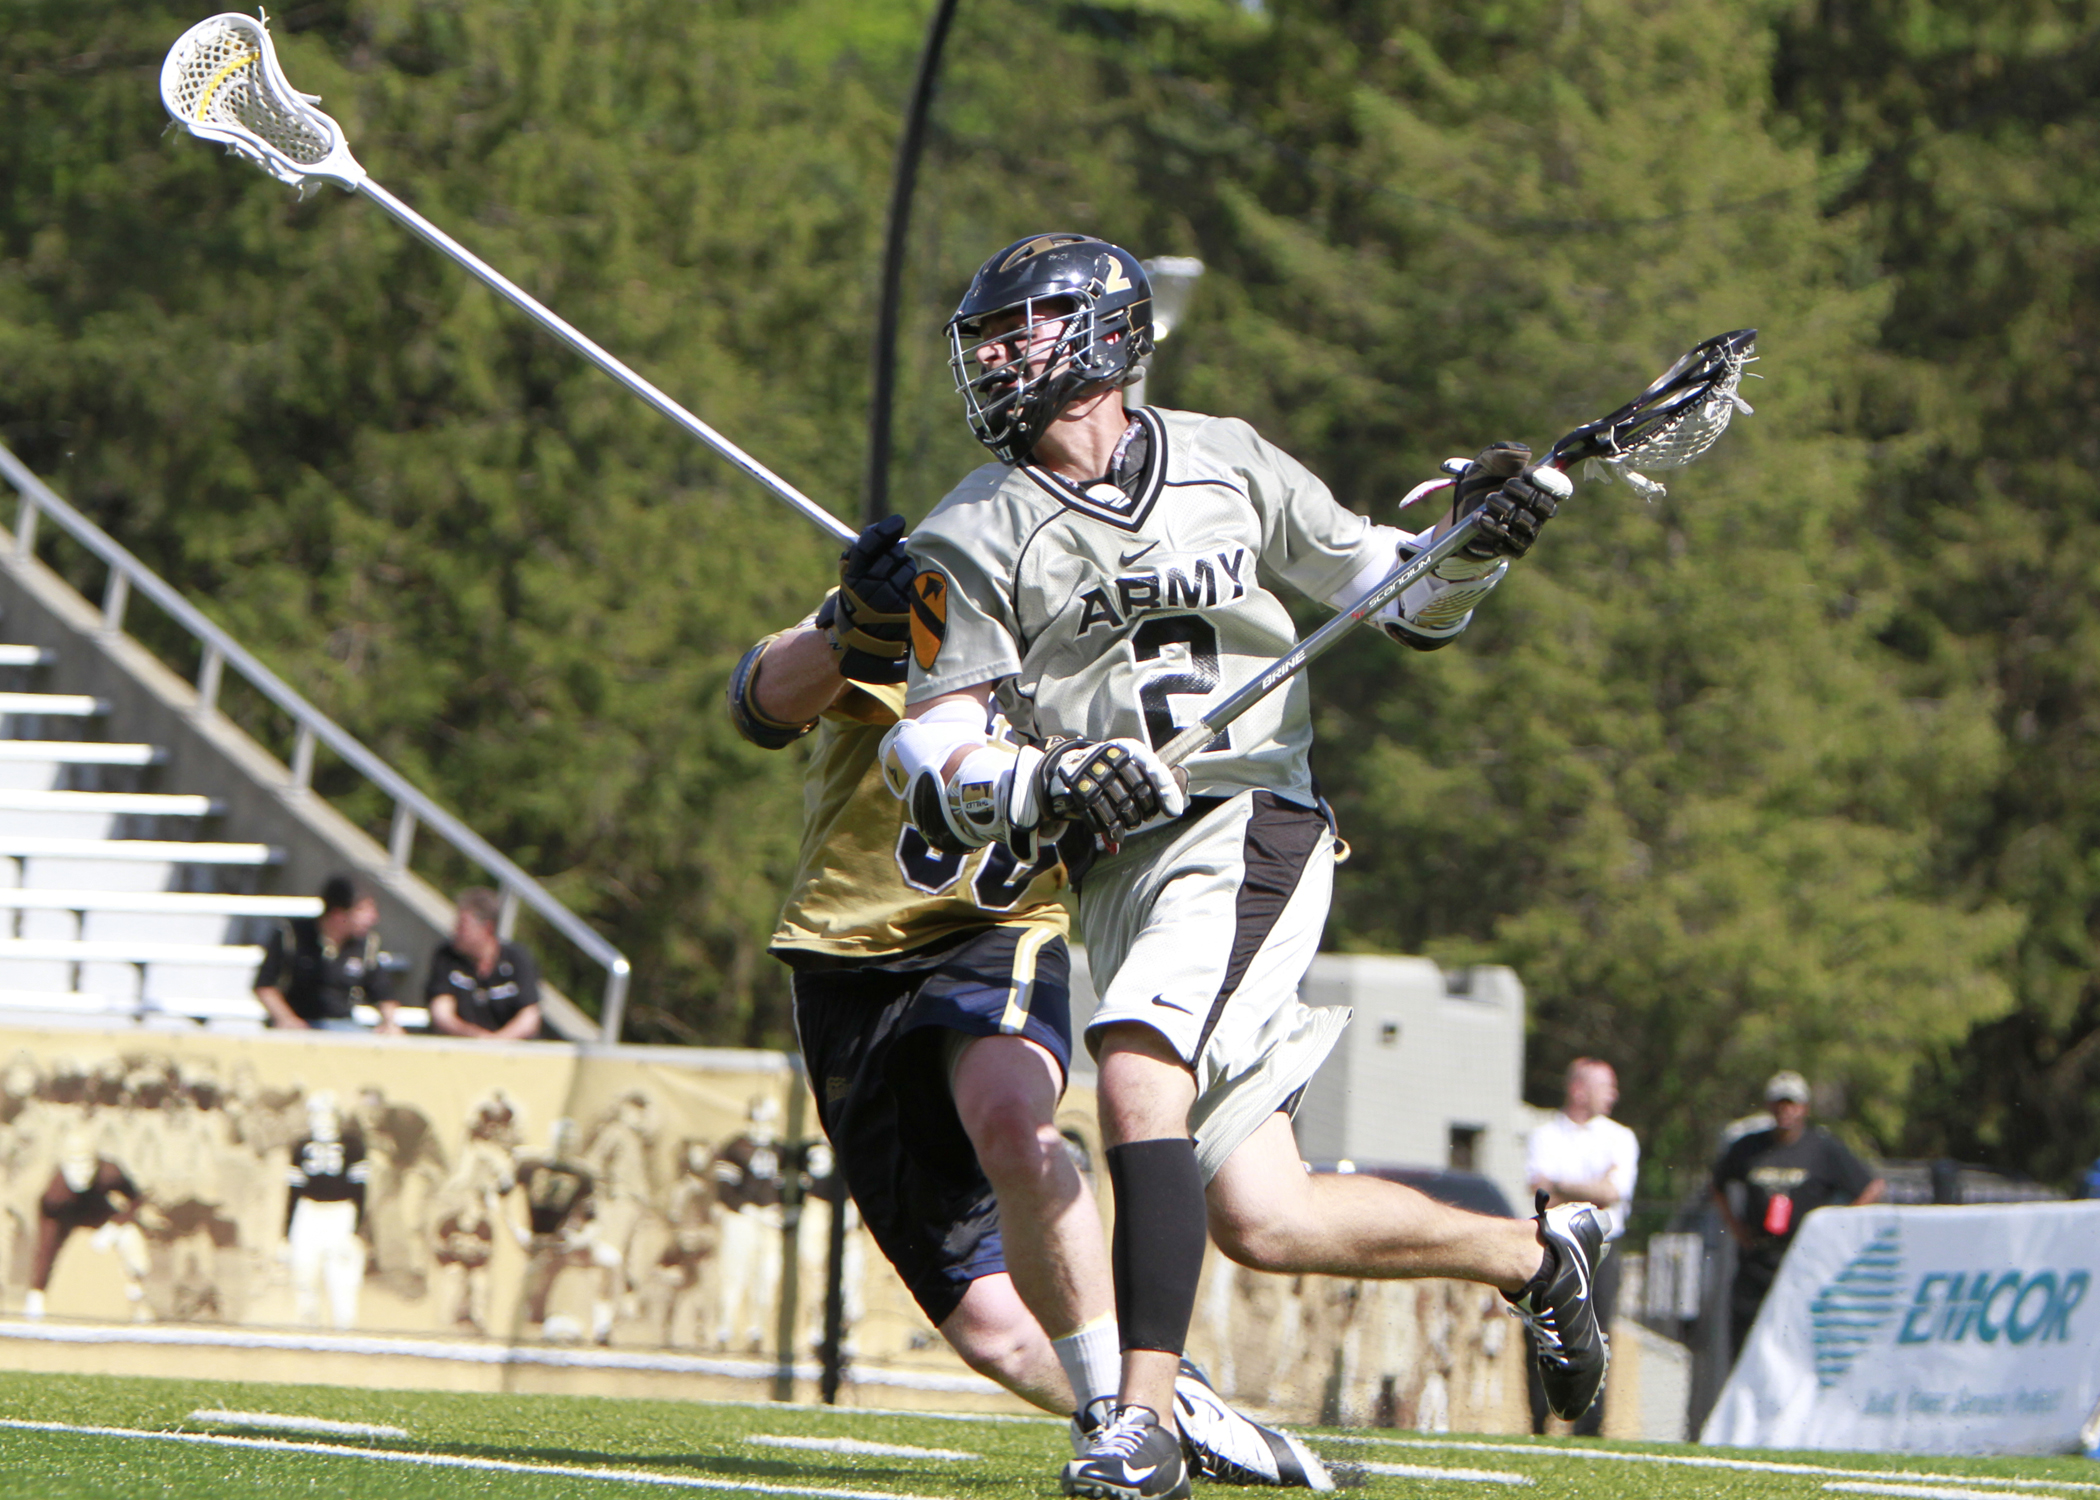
{"type": "Point", "coordinates": [1583, 1155]}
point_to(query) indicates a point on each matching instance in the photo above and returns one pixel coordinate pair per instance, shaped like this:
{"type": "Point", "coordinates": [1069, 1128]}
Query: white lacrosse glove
{"type": "Point", "coordinates": [992, 796]}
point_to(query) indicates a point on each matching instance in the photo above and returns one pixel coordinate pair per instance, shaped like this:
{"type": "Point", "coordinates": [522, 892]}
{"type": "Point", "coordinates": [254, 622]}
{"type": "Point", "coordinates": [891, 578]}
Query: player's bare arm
{"type": "Point", "coordinates": [797, 677]}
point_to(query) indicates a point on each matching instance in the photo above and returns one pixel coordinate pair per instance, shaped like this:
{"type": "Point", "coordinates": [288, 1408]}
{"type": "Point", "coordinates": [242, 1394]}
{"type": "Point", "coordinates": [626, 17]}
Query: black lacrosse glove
{"type": "Point", "coordinates": [869, 618]}
{"type": "Point", "coordinates": [1513, 504]}
{"type": "Point", "coordinates": [1114, 787]}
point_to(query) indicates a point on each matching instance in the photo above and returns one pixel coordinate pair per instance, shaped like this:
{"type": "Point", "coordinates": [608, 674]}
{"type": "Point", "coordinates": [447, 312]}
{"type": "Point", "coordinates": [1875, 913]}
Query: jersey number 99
{"type": "Point", "coordinates": [1001, 880]}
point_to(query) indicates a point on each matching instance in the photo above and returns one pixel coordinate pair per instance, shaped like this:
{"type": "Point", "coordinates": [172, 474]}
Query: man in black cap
{"type": "Point", "coordinates": [1786, 1173]}
{"type": "Point", "coordinates": [317, 970]}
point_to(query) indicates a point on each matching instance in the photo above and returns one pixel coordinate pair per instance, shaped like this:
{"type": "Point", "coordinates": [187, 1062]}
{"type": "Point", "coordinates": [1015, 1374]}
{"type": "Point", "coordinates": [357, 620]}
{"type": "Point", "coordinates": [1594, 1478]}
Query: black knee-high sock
{"type": "Point", "coordinates": [1157, 1251]}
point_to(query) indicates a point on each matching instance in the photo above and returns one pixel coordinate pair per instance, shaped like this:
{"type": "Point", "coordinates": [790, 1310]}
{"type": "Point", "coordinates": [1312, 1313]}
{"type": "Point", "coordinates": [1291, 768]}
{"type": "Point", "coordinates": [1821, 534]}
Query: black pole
{"type": "Point", "coordinates": [875, 493]}
{"type": "Point", "coordinates": [835, 1288]}
{"type": "Point", "coordinates": [791, 1150]}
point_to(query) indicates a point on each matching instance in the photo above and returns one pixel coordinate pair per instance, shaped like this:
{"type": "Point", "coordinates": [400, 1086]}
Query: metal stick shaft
{"type": "Point", "coordinates": [518, 297]}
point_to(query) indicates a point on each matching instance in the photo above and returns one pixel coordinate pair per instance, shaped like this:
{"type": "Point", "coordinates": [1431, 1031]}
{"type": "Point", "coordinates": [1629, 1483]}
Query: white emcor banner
{"type": "Point", "coordinates": [1925, 1330]}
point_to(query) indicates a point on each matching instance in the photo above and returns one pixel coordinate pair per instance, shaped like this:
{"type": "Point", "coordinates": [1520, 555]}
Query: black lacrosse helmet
{"type": "Point", "coordinates": [1102, 296]}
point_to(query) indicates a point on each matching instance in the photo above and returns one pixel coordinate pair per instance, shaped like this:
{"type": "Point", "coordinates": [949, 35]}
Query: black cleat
{"type": "Point", "coordinates": [1131, 1457]}
{"type": "Point", "coordinates": [1228, 1448]}
{"type": "Point", "coordinates": [1571, 1349]}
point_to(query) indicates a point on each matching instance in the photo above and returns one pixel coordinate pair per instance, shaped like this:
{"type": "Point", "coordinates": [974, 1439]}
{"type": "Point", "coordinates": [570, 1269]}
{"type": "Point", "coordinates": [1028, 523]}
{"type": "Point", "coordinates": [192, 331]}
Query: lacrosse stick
{"type": "Point", "coordinates": [221, 81]}
{"type": "Point", "coordinates": [1666, 426]}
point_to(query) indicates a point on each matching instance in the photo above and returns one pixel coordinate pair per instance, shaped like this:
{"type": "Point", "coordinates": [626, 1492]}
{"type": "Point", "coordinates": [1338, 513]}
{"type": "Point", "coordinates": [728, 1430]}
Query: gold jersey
{"type": "Point", "coordinates": [867, 885]}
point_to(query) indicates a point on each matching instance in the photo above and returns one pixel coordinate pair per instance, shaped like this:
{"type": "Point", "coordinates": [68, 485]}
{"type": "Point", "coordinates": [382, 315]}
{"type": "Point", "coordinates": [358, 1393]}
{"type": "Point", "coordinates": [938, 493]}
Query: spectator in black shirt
{"type": "Point", "coordinates": [1785, 1174]}
{"type": "Point", "coordinates": [480, 984]}
{"type": "Point", "coordinates": [316, 970]}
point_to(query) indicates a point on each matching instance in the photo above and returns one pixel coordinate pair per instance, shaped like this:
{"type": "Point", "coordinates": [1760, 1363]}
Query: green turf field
{"type": "Point", "coordinates": [67, 1435]}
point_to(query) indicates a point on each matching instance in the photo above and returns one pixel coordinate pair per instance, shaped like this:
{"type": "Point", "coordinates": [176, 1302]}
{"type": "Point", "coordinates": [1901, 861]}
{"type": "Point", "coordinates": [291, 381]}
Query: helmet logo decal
{"type": "Point", "coordinates": [929, 617]}
{"type": "Point", "coordinates": [1117, 281]}
{"type": "Point", "coordinates": [1036, 247]}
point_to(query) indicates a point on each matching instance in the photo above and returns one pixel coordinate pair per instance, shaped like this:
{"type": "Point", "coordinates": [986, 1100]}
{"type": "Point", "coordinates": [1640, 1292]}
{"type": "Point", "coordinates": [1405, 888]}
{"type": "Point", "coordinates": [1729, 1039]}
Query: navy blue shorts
{"type": "Point", "coordinates": [874, 1037]}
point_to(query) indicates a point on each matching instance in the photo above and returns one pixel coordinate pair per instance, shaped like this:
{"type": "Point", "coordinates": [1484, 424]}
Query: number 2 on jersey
{"type": "Point", "coordinates": [1198, 675]}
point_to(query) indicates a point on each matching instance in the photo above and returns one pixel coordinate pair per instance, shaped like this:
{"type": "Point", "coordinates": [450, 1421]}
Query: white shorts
{"type": "Point", "coordinates": [1202, 931]}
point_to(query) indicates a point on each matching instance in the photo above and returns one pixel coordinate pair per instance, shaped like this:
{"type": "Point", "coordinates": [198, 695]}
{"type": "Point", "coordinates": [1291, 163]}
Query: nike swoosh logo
{"type": "Point", "coordinates": [1170, 1005]}
{"type": "Point", "coordinates": [1139, 1476]}
{"type": "Point", "coordinates": [1130, 557]}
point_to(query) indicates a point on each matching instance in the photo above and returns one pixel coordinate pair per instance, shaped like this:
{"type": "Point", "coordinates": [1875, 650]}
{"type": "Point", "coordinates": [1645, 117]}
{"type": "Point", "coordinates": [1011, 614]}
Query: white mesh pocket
{"type": "Point", "coordinates": [222, 81]}
{"type": "Point", "coordinates": [1683, 440]}
{"type": "Point", "coordinates": [1677, 442]}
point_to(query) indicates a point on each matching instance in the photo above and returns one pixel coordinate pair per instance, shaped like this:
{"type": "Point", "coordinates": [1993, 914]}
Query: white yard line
{"type": "Point", "coordinates": [1920, 1492]}
{"type": "Point", "coordinates": [281, 1423]}
{"type": "Point", "coordinates": [897, 1411]}
{"type": "Point", "coordinates": [1688, 1461]}
{"type": "Point", "coordinates": [860, 1446]}
{"type": "Point", "coordinates": [1426, 1471]}
{"type": "Point", "coordinates": [453, 1461]}
{"type": "Point", "coordinates": [937, 1381]}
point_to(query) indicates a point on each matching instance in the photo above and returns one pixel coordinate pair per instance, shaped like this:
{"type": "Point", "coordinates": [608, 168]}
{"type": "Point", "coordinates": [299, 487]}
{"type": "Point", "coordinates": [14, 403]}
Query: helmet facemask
{"type": "Point", "coordinates": [1012, 402]}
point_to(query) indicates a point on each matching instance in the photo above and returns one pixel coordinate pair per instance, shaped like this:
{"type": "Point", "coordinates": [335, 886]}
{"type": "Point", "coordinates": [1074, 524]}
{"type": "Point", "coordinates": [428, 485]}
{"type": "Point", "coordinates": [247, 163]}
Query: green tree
{"type": "Point", "coordinates": [1673, 774]}
{"type": "Point", "coordinates": [1755, 775]}
{"type": "Point", "coordinates": [498, 569]}
{"type": "Point", "coordinates": [1971, 152]}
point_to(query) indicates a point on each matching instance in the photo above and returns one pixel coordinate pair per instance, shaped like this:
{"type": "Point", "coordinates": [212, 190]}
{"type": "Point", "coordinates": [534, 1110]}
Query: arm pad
{"type": "Point", "coordinates": [744, 712]}
{"type": "Point", "coordinates": [991, 795]}
{"type": "Point", "coordinates": [1430, 612]}
{"type": "Point", "coordinates": [1435, 611]}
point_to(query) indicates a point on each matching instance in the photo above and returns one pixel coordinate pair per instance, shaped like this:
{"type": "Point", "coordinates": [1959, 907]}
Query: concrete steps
{"type": "Point", "coordinates": [77, 753]}
{"type": "Point", "coordinates": [73, 675]}
{"type": "Point", "coordinates": [96, 920]}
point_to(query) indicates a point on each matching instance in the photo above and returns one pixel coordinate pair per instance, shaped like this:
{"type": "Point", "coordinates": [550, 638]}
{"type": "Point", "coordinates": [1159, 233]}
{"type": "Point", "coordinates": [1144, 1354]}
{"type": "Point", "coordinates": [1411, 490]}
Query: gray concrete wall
{"type": "Point", "coordinates": [206, 753]}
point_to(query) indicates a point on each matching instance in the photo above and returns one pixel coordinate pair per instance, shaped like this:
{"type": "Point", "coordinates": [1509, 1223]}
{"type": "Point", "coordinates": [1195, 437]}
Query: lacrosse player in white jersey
{"type": "Point", "coordinates": [1109, 573]}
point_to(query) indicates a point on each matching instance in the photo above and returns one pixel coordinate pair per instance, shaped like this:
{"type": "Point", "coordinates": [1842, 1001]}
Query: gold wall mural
{"type": "Point", "coordinates": [541, 1216]}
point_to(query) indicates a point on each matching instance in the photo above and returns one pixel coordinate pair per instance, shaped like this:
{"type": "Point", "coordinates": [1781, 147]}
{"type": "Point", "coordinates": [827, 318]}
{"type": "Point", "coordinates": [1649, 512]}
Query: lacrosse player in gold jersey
{"type": "Point", "coordinates": [1110, 572]}
{"type": "Point", "coordinates": [931, 1006]}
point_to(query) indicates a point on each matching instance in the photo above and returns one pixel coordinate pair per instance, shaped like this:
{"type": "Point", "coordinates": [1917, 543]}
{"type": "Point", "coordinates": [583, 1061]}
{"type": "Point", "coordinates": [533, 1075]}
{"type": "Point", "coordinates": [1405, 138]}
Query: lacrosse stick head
{"type": "Point", "coordinates": [221, 81]}
{"type": "Point", "coordinates": [1681, 415]}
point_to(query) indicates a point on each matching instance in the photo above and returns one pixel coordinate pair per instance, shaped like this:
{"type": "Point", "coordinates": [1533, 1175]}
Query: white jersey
{"type": "Point", "coordinates": [1106, 615]}
{"type": "Point", "coordinates": [1598, 1149]}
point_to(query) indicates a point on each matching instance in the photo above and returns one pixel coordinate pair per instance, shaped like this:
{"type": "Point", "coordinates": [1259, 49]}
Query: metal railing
{"type": "Point", "coordinates": [311, 727]}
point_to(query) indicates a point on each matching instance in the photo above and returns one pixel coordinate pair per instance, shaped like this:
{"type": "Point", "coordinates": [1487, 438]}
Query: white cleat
{"type": "Point", "coordinates": [1228, 1448]}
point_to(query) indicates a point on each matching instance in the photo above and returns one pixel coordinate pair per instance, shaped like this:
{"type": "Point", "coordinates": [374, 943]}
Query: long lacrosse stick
{"type": "Point", "coordinates": [221, 81]}
{"type": "Point", "coordinates": [1666, 426]}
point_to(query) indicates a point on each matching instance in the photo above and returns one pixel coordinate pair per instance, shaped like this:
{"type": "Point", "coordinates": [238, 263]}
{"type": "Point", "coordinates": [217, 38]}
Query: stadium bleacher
{"type": "Point", "coordinates": [148, 842]}
{"type": "Point", "coordinates": [116, 900]}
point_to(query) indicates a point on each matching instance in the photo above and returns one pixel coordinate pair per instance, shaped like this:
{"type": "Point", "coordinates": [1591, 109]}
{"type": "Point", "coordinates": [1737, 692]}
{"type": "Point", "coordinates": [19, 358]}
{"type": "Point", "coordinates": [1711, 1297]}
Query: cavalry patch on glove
{"type": "Point", "coordinates": [929, 618]}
